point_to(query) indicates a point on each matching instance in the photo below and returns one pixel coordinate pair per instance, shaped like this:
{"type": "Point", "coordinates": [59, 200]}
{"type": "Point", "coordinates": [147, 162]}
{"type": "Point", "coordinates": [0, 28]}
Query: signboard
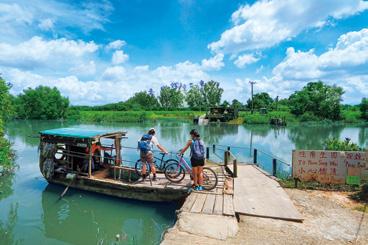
{"type": "Point", "coordinates": [329, 166]}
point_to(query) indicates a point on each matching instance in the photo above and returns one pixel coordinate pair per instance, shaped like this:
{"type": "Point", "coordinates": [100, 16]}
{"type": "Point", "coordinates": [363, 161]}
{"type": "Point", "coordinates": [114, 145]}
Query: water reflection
{"type": "Point", "coordinates": [313, 137]}
{"type": "Point", "coordinates": [87, 218]}
{"type": "Point", "coordinates": [7, 227]}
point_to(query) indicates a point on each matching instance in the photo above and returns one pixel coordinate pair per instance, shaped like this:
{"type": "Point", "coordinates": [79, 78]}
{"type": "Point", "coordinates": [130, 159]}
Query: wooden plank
{"type": "Point", "coordinates": [258, 195]}
{"type": "Point", "coordinates": [219, 203]}
{"type": "Point", "coordinates": [209, 204]}
{"type": "Point", "coordinates": [198, 204]}
{"type": "Point", "coordinates": [187, 206]}
{"type": "Point", "coordinates": [228, 205]}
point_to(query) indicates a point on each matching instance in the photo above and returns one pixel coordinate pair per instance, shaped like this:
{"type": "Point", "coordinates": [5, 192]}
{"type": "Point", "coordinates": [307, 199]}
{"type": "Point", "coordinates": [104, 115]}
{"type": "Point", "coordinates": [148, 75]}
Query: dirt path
{"type": "Point", "coordinates": [329, 218]}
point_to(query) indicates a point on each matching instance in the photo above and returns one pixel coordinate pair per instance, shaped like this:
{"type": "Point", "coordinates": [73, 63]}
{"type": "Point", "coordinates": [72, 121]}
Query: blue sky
{"type": "Point", "coordinates": [99, 52]}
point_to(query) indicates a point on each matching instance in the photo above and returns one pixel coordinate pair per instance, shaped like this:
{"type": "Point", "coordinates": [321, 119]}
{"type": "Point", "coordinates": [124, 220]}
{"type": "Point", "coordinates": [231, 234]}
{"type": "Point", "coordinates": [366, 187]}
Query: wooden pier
{"type": "Point", "coordinates": [218, 201]}
{"type": "Point", "coordinates": [253, 193]}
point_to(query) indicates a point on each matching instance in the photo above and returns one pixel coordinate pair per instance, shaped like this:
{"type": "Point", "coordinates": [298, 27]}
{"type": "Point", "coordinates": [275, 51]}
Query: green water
{"type": "Point", "coordinates": [30, 212]}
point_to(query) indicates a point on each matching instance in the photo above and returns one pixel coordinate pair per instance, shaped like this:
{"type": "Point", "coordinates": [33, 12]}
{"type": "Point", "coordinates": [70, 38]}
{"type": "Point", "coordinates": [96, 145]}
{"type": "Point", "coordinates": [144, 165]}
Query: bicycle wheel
{"type": "Point", "coordinates": [138, 168]}
{"type": "Point", "coordinates": [167, 162]}
{"type": "Point", "coordinates": [174, 172]}
{"type": "Point", "coordinates": [209, 179]}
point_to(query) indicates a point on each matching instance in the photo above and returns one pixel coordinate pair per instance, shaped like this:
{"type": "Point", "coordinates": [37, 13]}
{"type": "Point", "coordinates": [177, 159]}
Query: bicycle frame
{"type": "Point", "coordinates": [186, 165]}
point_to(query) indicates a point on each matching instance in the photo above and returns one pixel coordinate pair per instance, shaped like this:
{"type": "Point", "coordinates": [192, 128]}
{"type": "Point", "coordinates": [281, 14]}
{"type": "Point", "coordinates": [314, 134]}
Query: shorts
{"type": "Point", "coordinates": [147, 156]}
{"type": "Point", "coordinates": [197, 162]}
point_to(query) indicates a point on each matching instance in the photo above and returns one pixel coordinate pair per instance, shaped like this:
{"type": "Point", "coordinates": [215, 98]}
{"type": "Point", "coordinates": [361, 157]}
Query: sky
{"type": "Point", "coordinates": [98, 52]}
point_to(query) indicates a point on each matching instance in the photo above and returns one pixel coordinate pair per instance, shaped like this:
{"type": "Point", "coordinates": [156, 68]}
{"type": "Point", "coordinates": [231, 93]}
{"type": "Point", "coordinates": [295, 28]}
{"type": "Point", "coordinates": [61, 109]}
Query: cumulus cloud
{"type": "Point", "coordinates": [245, 59]}
{"type": "Point", "coordinates": [345, 65]}
{"type": "Point", "coordinates": [37, 52]}
{"type": "Point", "coordinates": [117, 44]}
{"type": "Point", "coordinates": [119, 57]}
{"type": "Point", "coordinates": [267, 23]}
{"type": "Point", "coordinates": [213, 63]}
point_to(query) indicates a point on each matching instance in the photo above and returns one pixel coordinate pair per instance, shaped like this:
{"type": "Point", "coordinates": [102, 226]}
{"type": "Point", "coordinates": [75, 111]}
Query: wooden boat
{"type": "Point", "coordinates": [91, 160]}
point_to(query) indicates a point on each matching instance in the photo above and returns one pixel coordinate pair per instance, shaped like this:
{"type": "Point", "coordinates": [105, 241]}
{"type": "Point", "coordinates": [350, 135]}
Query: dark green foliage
{"type": "Point", "coordinates": [334, 144]}
{"type": "Point", "coordinates": [260, 100]}
{"type": "Point", "coordinates": [6, 107]}
{"type": "Point", "coordinates": [41, 103]}
{"type": "Point", "coordinates": [236, 104]}
{"type": "Point", "coordinates": [204, 95]}
{"type": "Point", "coordinates": [319, 99]}
{"type": "Point", "coordinates": [6, 110]}
{"type": "Point", "coordinates": [212, 93]}
{"type": "Point", "coordinates": [194, 97]}
{"type": "Point", "coordinates": [364, 108]}
{"type": "Point", "coordinates": [172, 97]}
{"type": "Point", "coordinates": [142, 101]}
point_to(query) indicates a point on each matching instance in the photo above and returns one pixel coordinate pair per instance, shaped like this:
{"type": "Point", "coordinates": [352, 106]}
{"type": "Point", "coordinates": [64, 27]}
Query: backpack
{"type": "Point", "coordinates": [197, 149]}
{"type": "Point", "coordinates": [144, 145]}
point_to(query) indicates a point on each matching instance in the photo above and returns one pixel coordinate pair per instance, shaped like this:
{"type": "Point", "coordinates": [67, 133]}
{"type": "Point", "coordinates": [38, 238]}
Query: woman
{"type": "Point", "coordinates": [197, 158]}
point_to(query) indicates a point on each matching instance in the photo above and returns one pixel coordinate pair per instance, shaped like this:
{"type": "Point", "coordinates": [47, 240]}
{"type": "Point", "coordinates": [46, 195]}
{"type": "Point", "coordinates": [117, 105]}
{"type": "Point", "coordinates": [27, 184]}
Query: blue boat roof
{"type": "Point", "coordinates": [76, 132]}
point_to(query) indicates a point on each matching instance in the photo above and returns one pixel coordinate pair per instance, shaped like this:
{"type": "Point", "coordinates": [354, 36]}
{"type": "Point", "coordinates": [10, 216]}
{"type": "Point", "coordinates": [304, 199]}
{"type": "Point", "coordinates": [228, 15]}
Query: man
{"type": "Point", "coordinates": [145, 145]}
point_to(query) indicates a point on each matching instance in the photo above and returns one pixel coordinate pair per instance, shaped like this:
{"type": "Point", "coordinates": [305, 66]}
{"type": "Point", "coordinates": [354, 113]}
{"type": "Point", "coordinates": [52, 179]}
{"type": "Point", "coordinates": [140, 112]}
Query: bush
{"type": "Point", "coordinates": [334, 144]}
{"type": "Point", "coordinates": [308, 117]}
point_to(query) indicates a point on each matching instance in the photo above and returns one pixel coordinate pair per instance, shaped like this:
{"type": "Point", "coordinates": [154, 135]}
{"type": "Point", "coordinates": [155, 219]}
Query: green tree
{"type": "Point", "coordinates": [6, 105]}
{"type": "Point", "coordinates": [194, 97]}
{"type": "Point", "coordinates": [142, 100]}
{"type": "Point", "coordinates": [364, 108]}
{"type": "Point", "coordinates": [319, 99]}
{"type": "Point", "coordinates": [41, 103]}
{"type": "Point", "coordinates": [172, 97]}
{"type": "Point", "coordinates": [225, 104]}
{"type": "Point", "coordinates": [212, 93]}
{"type": "Point", "coordinates": [260, 100]}
{"type": "Point", "coordinates": [236, 104]}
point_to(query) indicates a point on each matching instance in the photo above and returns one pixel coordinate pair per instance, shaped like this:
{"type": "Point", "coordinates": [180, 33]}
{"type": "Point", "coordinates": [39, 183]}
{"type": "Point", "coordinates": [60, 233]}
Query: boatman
{"type": "Point", "coordinates": [145, 145]}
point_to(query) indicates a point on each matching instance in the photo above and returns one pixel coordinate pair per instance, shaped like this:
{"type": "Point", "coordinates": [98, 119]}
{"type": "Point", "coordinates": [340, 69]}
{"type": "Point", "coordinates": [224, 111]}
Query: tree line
{"type": "Point", "coordinates": [314, 101]}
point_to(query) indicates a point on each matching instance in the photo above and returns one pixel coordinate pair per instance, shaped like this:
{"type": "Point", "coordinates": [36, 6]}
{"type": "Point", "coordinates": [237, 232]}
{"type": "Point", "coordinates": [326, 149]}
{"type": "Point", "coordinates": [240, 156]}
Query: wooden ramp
{"type": "Point", "coordinates": [257, 194]}
{"type": "Point", "coordinates": [216, 202]}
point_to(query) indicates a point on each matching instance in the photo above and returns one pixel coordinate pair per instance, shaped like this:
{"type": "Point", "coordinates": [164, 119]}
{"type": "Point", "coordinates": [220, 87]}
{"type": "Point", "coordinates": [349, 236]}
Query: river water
{"type": "Point", "coordinates": [30, 212]}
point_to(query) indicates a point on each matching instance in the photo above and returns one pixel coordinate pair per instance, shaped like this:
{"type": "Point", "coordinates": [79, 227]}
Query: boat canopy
{"type": "Point", "coordinates": [80, 133]}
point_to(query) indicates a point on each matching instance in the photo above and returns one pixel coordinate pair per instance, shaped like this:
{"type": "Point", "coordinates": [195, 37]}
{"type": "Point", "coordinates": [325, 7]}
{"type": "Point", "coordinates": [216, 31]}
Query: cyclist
{"type": "Point", "coordinates": [197, 158]}
{"type": "Point", "coordinates": [145, 145]}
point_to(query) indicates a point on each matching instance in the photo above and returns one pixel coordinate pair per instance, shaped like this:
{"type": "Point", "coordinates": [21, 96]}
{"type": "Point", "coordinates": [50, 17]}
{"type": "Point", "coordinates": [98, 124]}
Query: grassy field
{"type": "Point", "coordinates": [132, 116]}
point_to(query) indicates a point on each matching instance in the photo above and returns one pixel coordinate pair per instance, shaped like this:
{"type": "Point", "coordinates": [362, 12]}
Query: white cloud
{"type": "Point", "coordinates": [119, 57]}
{"type": "Point", "coordinates": [213, 63]}
{"type": "Point", "coordinates": [37, 52]}
{"type": "Point", "coordinates": [117, 44]}
{"type": "Point", "coordinates": [20, 21]}
{"type": "Point", "coordinates": [267, 23]}
{"type": "Point", "coordinates": [345, 65]}
{"type": "Point", "coordinates": [46, 24]}
{"type": "Point", "coordinates": [245, 59]}
{"type": "Point", "coordinates": [84, 69]}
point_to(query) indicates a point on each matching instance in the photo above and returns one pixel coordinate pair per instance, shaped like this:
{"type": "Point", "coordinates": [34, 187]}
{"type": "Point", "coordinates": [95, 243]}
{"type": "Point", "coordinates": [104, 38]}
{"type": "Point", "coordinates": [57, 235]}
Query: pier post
{"type": "Point", "coordinates": [214, 148]}
{"type": "Point", "coordinates": [255, 156]}
{"type": "Point", "coordinates": [274, 167]}
{"type": "Point", "coordinates": [235, 168]}
{"type": "Point", "coordinates": [207, 152]}
{"type": "Point", "coordinates": [225, 158]}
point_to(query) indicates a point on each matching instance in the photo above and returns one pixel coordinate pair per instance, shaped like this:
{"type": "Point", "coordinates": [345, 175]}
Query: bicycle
{"type": "Point", "coordinates": [175, 172]}
{"type": "Point", "coordinates": [159, 167]}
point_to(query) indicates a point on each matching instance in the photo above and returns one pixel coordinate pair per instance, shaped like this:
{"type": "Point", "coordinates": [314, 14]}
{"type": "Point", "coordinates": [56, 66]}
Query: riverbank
{"type": "Point", "coordinates": [329, 218]}
{"type": "Point", "coordinates": [348, 116]}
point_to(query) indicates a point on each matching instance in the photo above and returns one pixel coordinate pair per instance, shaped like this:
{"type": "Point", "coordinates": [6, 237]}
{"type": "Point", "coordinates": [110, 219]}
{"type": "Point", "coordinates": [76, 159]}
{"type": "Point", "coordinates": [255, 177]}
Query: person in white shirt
{"type": "Point", "coordinates": [147, 156]}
